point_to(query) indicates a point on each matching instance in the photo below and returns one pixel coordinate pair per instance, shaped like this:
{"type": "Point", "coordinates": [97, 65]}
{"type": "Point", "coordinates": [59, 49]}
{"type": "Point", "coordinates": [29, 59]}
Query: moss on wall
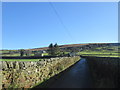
{"type": "Point", "coordinates": [23, 74]}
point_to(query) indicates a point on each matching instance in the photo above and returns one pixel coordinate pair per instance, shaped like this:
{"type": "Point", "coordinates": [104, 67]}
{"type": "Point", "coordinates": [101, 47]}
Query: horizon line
{"type": "Point", "coordinates": [62, 45]}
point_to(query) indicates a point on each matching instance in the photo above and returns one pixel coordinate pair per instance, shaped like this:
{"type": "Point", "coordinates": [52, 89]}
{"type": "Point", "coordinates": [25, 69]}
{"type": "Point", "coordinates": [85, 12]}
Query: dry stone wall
{"type": "Point", "coordinates": [26, 74]}
{"type": "Point", "coordinates": [105, 71]}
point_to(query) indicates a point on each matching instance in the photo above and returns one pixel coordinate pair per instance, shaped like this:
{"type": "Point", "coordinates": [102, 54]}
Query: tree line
{"type": "Point", "coordinates": [53, 50]}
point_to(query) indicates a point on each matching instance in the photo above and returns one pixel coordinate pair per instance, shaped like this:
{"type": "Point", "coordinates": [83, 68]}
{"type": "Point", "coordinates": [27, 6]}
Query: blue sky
{"type": "Point", "coordinates": [32, 25]}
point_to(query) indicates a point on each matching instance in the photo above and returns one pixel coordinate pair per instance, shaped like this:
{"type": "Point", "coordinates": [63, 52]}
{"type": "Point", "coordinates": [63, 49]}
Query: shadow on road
{"type": "Point", "coordinates": [77, 76]}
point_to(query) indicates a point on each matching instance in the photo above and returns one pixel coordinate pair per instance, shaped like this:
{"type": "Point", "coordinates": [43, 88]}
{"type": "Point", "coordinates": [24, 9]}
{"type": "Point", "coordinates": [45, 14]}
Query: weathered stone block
{"type": "Point", "coordinates": [26, 74]}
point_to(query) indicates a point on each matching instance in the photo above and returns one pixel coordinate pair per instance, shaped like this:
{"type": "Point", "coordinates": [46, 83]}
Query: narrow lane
{"type": "Point", "coordinates": [78, 76]}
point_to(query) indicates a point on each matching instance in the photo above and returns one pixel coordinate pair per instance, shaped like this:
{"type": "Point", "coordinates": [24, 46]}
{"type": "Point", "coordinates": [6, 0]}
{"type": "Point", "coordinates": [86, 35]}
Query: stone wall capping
{"type": "Point", "coordinates": [22, 74]}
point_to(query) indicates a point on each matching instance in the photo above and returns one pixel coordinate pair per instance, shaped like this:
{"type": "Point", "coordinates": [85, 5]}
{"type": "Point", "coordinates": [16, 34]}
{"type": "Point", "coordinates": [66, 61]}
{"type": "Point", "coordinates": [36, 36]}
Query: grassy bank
{"type": "Point", "coordinates": [101, 55]}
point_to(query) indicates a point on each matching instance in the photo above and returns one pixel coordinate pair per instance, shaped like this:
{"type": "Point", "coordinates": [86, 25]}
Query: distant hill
{"type": "Point", "coordinates": [71, 45]}
{"type": "Point", "coordinates": [75, 45]}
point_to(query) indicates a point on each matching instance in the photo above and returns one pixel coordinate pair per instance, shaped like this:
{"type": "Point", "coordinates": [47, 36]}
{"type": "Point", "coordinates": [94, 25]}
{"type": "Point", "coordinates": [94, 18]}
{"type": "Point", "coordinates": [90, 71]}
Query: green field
{"type": "Point", "coordinates": [103, 51]}
{"type": "Point", "coordinates": [17, 54]}
{"type": "Point", "coordinates": [101, 55]}
{"type": "Point", "coordinates": [108, 51]}
{"type": "Point", "coordinates": [4, 51]}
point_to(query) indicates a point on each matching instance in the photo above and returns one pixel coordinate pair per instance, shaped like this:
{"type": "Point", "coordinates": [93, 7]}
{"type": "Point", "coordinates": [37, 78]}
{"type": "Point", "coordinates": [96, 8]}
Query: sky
{"type": "Point", "coordinates": [37, 24]}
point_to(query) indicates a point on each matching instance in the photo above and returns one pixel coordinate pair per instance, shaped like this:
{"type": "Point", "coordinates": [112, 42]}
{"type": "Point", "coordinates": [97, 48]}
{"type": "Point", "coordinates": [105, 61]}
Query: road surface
{"type": "Point", "coordinates": [78, 76]}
